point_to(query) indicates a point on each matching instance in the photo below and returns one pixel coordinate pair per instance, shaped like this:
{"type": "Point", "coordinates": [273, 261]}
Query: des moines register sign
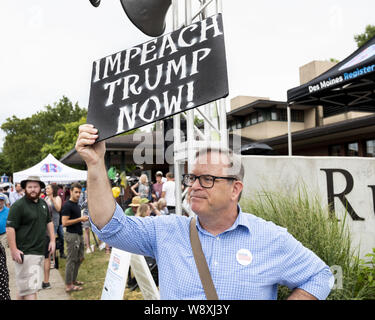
{"type": "Point", "coordinates": [159, 78]}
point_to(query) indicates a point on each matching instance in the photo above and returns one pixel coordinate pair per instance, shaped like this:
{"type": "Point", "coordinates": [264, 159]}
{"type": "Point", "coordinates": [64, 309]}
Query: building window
{"type": "Point", "coordinates": [335, 150]}
{"type": "Point", "coordinates": [239, 124]}
{"type": "Point", "coordinates": [283, 116]}
{"type": "Point", "coordinates": [298, 115]}
{"type": "Point", "coordinates": [352, 149]}
{"type": "Point", "coordinates": [232, 126]}
{"type": "Point", "coordinates": [274, 115]}
{"type": "Point", "coordinates": [370, 148]}
{"type": "Point", "coordinates": [254, 118]}
{"type": "Point", "coordinates": [247, 121]}
{"type": "Point", "coordinates": [260, 117]}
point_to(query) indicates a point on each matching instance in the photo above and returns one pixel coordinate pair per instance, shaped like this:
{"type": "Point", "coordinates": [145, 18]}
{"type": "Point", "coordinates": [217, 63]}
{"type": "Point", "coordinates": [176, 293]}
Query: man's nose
{"type": "Point", "coordinates": [196, 184]}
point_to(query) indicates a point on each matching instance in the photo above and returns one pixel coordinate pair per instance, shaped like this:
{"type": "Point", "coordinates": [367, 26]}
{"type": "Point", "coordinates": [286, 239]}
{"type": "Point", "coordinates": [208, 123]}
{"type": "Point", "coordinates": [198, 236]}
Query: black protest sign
{"type": "Point", "coordinates": [159, 78]}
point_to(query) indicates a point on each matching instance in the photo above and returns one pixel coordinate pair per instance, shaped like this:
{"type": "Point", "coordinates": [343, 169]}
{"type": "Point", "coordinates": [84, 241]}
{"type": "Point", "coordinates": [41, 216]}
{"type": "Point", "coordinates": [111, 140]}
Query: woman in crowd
{"type": "Point", "coordinates": [144, 210]}
{"type": "Point", "coordinates": [161, 206]}
{"type": "Point", "coordinates": [143, 187]}
{"type": "Point", "coordinates": [54, 203]}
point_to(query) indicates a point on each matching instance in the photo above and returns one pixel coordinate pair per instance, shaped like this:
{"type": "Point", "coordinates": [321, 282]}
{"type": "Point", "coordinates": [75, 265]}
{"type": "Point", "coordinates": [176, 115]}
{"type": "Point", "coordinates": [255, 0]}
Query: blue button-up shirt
{"type": "Point", "coordinates": [275, 256]}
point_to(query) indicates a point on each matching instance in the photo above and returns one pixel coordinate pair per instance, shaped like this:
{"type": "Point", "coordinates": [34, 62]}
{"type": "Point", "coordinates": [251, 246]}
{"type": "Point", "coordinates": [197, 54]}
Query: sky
{"type": "Point", "coordinates": [48, 47]}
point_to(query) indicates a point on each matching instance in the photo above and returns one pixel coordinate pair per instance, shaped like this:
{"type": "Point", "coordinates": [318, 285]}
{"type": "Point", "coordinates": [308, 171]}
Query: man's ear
{"type": "Point", "coordinates": [237, 189]}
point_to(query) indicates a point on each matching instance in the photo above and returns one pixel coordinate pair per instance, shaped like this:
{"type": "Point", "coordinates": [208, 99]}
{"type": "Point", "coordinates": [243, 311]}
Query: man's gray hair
{"type": "Point", "coordinates": [235, 166]}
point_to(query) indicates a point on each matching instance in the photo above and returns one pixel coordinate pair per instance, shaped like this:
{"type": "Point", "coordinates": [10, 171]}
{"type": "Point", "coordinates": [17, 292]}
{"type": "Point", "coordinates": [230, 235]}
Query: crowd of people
{"type": "Point", "coordinates": [32, 218]}
{"type": "Point", "coordinates": [8, 196]}
{"type": "Point", "coordinates": [239, 245]}
{"type": "Point", "coordinates": [158, 197]}
{"type": "Point", "coordinates": [66, 227]}
{"type": "Point", "coordinates": [144, 199]}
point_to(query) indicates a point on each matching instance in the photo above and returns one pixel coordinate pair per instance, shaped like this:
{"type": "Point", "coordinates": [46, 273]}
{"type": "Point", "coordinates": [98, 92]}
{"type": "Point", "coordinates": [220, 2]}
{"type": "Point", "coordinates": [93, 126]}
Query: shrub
{"type": "Point", "coordinates": [320, 231]}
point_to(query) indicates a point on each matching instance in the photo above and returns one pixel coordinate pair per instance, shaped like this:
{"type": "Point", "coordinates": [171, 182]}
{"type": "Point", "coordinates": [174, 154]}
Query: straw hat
{"type": "Point", "coordinates": [137, 201]}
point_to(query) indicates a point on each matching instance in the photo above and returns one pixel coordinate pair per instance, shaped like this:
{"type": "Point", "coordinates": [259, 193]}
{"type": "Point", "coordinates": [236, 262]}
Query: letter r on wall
{"type": "Point", "coordinates": [331, 193]}
{"type": "Point", "coordinates": [373, 195]}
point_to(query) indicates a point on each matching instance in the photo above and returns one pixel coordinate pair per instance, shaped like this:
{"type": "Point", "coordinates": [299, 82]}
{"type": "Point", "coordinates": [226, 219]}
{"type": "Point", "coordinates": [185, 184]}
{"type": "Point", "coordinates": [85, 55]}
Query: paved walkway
{"type": "Point", "coordinates": [57, 292]}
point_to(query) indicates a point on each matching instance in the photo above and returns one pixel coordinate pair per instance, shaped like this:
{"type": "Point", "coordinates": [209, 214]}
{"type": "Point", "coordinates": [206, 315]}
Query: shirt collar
{"type": "Point", "coordinates": [240, 221]}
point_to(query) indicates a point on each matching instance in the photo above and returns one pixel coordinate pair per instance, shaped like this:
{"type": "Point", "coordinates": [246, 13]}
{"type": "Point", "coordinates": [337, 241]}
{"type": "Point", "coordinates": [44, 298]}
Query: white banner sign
{"type": "Point", "coordinates": [117, 274]}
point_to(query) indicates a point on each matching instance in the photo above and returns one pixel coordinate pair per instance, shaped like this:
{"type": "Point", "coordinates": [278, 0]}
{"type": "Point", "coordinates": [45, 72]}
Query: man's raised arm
{"type": "Point", "coordinates": [100, 198]}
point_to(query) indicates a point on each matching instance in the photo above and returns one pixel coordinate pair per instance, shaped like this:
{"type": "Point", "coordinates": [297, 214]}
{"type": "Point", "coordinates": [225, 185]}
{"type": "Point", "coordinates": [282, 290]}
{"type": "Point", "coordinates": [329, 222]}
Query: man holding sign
{"type": "Point", "coordinates": [247, 257]}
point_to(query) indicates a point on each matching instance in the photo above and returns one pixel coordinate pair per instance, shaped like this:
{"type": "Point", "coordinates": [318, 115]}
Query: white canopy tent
{"type": "Point", "coordinates": [51, 170]}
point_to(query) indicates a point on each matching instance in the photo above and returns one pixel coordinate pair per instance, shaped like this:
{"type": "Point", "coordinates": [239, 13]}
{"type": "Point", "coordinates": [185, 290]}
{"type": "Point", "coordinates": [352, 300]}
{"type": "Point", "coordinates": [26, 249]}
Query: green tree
{"type": "Point", "coordinates": [20, 148]}
{"type": "Point", "coordinates": [64, 140]}
{"type": "Point", "coordinates": [4, 165]}
{"type": "Point", "coordinates": [362, 38]}
{"type": "Point", "coordinates": [26, 137]}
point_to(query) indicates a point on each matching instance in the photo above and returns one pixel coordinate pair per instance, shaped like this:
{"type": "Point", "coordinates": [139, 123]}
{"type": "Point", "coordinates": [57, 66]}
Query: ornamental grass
{"type": "Point", "coordinates": [322, 232]}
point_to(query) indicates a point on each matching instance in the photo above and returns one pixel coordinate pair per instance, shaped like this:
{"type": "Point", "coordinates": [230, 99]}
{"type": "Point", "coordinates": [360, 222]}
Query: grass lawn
{"type": "Point", "coordinates": [92, 272]}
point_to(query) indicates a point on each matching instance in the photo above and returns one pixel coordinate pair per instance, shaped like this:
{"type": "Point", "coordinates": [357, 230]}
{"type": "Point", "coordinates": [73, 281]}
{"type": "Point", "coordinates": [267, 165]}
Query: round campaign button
{"type": "Point", "coordinates": [244, 257]}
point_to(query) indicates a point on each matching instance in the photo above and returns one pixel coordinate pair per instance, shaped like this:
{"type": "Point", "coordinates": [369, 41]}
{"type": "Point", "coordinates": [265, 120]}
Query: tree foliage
{"type": "Point", "coordinates": [64, 140]}
{"type": "Point", "coordinates": [362, 38]}
{"type": "Point", "coordinates": [25, 138]}
{"type": "Point", "coordinates": [4, 165]}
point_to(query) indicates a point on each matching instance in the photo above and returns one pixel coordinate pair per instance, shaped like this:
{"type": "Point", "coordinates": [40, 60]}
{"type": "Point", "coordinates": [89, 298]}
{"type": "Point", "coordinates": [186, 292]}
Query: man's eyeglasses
{"type": "Point", "coordinates": [206, 181]}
